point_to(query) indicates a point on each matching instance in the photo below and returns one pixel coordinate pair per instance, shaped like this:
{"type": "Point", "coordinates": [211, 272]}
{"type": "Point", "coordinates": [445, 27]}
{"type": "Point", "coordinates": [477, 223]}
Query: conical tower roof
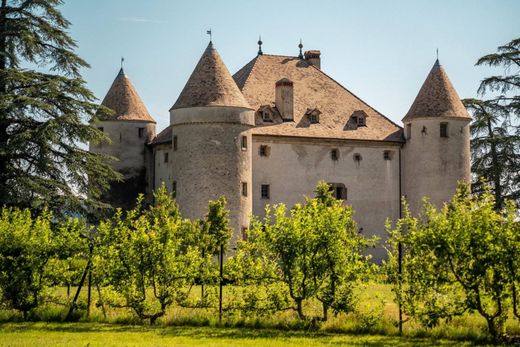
{"type": "Point", "coordinates": [437, 97]}
{"type": "Point", "coordinates": [123, 99]}
{"type": "Point", "coordinates": [210, 84]}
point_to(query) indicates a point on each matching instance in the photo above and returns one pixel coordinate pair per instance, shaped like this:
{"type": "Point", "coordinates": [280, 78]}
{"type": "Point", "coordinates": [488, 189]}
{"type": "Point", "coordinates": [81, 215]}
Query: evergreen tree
{"type": "Point", "coordinates": [495, 129]}
{"type": "Point", "coordinates": [43, 113]}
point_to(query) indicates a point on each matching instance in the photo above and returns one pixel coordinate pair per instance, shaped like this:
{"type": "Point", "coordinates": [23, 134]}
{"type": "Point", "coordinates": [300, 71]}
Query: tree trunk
{"type": "Point", "coordinates": [325, 312]}
{"type": "Point", "coordinates": [496, 167]}
{"type": "Point", "coordinates": [4, 157]}
{"type": "Point", "coordinates": [221, 283]}
{"type": "Point", "coordinates": [299, 308]}
{"type": "Point", "coordinates": [89, 291]}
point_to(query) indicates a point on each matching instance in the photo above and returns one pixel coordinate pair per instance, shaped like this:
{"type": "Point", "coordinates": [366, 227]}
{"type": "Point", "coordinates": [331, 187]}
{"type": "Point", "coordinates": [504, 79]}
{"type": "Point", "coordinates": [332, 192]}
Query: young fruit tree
{"type": "Point", "coordinates": [313, 251]}
{"type": "Point", "coordinates": [461, 258]}
{"type": "Point", "coordinates": [149, 257]}
{"type": "Point", "coordinates": [44, 107]}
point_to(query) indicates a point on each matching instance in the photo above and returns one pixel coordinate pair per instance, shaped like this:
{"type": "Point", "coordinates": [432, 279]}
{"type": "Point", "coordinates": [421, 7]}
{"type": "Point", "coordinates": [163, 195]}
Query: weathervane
{"type": "Point", "coordinates": [209, 33]}
{"type": "Point", "coordinates": [300, 46]}
{"type": "Point", "coordinates": [122, 61]}
{"type": "Point", "coordinates": [437, 53]}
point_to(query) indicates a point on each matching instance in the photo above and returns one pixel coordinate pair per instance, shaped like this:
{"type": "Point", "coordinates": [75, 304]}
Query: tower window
{"type": "Point", "coordinates": [408, 131]}
{"type": "Point", "coordinates": [387, 155]}
{"type": "Point", "coordinates": [265, 191]}
{"type": "Point", "coordinates": [334, 154]}
{"type": "Point", "coordinates": [175, 142]}
{"type": "Point", "coordinates": [444, 129]}
{"type": "Point", "coordinates": [101, 129]}
{"type": "Point", "coordinates": [165, 157]}
{"type": "Point", "coordinates": [244, 143]}
{"type": "Point", "coordinates": [174, 189]}
{"type": "Point", "coordinates": [244, 188]}
{"type": "Point", "coordinates": [264, 150]}
{"type": "Point", "coordinates": [357, 157]}
{"type": "Point", "coordinates": [140, 132]}
{"type": "Point", "coordinates": [120, 137]}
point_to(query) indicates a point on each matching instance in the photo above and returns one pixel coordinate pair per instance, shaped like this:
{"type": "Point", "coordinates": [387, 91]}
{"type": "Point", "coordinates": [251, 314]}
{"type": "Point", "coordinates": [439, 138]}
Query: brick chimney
{"type": "Point", "coordinates": [313, 57]}
{"type": "Point", "coordinates": [284, 99]}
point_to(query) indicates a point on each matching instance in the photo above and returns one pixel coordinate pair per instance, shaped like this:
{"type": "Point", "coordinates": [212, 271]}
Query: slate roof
{"type": "Point", "coordinates": [312, 89]}
{"type": "Point", "coordinates": [437, 97]}
{"type": "Point", "coordinates": [123, 99]}
{"type": "Point", "coordinates": [210, 84]}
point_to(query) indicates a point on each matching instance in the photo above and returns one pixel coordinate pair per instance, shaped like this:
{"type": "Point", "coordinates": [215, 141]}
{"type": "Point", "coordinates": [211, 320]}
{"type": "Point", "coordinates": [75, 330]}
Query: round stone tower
{"type": "Point", "coordinates": [129, 128]}
{"type": "Point", "coordinates": [437, 151]}
{"type": "Point", "coordinates": [211, 143]}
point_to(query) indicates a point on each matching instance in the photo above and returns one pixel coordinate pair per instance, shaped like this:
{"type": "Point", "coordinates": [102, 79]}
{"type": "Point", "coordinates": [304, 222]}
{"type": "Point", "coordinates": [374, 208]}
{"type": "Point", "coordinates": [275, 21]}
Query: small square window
{"type": "Point", "coordinates": [408, 131]}
{"type": "Point", "coordinates": [244, 143]}
{"type": "Point", "coordinates": [444, 129]}
{"type": "Point", "coordinates": [244, 188]}
{"type": "Point", "coordinates": [357, 157]}
{"type": "Point", "coordinates": [266, 116]}
{"type": "Point", "coordinates": [387, 155]}
{"type": "Point", "coordinates": [165, 157]}
{"type": "Point", "coordinates": [140, 132]}
{"type": "Point", "coordinates": [361, 121]}
{"type": "Point", "coordinates": [175, 142]}
{"type": "Point", "coordinates": [334, 154]}
{"type": "Point", "coordinates": [101, 129]}
{"type": "Point", "coordinates": [264, 150]}
{"type": "Point", "coordinates": [265, 191]}
{"type": "Point", "coordinates": [174, 189]}
{"type": "Point", "coordinates": [314, 118]}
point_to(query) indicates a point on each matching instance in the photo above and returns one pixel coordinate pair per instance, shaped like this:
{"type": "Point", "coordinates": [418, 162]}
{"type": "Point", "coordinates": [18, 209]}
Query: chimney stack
{"type": "Point", "coordinates": [284, 99]}
{"type": "Point", "coordinates": [313, 57]}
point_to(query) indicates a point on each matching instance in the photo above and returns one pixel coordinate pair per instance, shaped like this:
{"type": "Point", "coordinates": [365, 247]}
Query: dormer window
{"type": "Point", "coordinates": [313, 115]}
{"type": "Point", "coordinates": [266, 112]}
{"type": "Point", "coordinates": [358, 119]}
{"type": "Point", "coordinates": [266, 116]}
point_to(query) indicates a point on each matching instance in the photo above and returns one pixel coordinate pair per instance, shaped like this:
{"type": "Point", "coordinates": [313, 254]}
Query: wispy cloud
{"type": "Point", "coordinates": [140, 20]}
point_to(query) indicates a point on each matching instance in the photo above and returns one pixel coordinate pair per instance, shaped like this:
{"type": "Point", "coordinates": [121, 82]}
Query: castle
{"type": "Point", "coordinates": [275, 128]}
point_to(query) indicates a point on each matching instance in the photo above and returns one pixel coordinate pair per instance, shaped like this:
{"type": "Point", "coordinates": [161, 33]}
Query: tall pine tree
{"type": "Point", "coordinates": [495, 142]}
{"type": "Point", "coordinates": [43, 113]}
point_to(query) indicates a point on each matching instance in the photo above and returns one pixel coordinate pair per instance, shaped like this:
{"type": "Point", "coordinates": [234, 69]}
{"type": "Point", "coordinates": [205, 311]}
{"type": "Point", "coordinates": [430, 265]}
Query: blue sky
{"type": "Point", "coordinates": [380, 50]}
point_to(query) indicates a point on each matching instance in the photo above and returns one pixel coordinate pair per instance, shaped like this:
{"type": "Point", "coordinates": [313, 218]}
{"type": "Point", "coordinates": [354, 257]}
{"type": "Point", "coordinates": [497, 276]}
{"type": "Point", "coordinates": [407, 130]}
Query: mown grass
{"type": "Point", "coordinates": [374, 323]}
{"type": "Point", "coordinates": [99, 334]}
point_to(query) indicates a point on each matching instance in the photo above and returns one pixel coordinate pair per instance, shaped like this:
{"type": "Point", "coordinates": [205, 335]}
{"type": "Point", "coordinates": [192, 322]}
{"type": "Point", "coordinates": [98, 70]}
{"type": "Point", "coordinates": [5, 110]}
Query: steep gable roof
{"type": "Point", "coordinates": [312, 89]}
{"type": "Point", "coordinates": [210, 84]}
{"type": "Point", "coordinates": [437, 97]}
{"type": "Point", "coordinates": [123, 99]}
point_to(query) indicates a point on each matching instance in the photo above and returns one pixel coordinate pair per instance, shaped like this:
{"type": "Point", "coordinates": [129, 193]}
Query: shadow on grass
{"type": "Point", "coordinates": [223, 333]}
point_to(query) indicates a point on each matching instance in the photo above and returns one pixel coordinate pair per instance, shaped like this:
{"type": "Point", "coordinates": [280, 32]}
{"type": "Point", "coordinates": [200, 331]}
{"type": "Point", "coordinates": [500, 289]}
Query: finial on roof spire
{"type": "Point", "coordinates": [300, 46]}
{"type": "Point", "coordinates": [260, 45]}
{"type": "Point", "coordinates": [122, 72]}
{"type": "Point", "coordinates": [437, 63]}
{"type": "Point", "coordinates": [209, 33]}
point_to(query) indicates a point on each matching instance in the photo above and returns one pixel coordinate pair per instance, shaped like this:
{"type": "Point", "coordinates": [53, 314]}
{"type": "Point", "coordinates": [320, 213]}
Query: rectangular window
{"type": "Point", "coordinates": [166, 157]}
{"type": "Point", "coordinates": [265, 191]}
{"type": "Point", "coordinates": [175, 142]}
{"type": "Point", "coordinates": [101, 129]}
{"type": "Point", "coordinates": [361, 121]}
{"type": "Point", "coordinates": [339, 191]}
{"type": "Point", "coordinates": [444, 129]}
{"type": "Point", "coordinates": [408, 131]}
{"type": "Point", "coordinates": [244, 188]}
{"type": "Point", "coordinates": [334, 154]}
{"type": "Point", "coordinates": [174, 189]}
{"type": "Point", "coordinates": [140, 132]}
{"type": "Point", "coordinates": [244, 143]}
{"type": "Point", "coordinates": [387, 155]}
{"type": "Point", "coordinates": [120, 137]}
{"type": "Point", "coordinates": [314, 118]}
{"type": "Point", "coordinates": [264, 150]}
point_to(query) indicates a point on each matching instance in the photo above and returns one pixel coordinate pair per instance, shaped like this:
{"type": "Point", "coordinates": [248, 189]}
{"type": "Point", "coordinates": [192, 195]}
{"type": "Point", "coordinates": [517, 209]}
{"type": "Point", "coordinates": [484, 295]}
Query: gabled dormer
{"type": "Point", "coordinates": [357, 119]}
{"type": "Point", "coordinates": [313, 115]}
{"type": "Point", "coordinates": [266, 113]}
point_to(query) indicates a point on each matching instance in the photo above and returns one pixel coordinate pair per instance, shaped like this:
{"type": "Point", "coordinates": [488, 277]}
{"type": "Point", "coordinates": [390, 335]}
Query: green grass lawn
{"type": "Point", "coordinates": [98, 334]}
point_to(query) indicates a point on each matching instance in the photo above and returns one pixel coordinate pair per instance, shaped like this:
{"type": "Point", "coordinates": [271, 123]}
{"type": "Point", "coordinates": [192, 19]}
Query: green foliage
{"type": "Point", "coordinates": [314, 251]}
{"type": "Point", "coordinates": [149, 257]}
{"type": "Point", "coordinates": [458, 259]}
{"type": "Point", "coordinates": [495, 128]}
{"type": "Point", "coordinates": [43, 114]}
{"type": "Point", "coordinates": [33, 253]}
